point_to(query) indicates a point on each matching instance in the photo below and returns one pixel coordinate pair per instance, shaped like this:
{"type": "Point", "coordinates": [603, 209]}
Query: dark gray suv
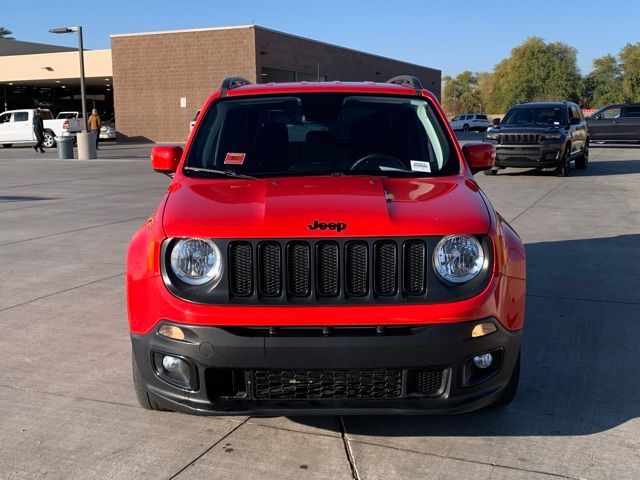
{"type": "Point", "coordinates": [541, 135]}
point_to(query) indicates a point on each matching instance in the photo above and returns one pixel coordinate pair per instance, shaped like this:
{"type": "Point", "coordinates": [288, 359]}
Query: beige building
{"type": "Point", "coordinates": [154, 83]}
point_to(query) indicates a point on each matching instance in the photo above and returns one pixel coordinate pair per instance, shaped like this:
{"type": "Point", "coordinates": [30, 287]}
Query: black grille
{"type": "Point", "coordinates": [386, 268]}
{"type": "Point", "coordinates": [519, 138]}
{"type": "Point", "coordinates": [299, 268]}
{"type": "Point", "coordinates": [328, 269]}
{"type": "Point", "coordinates": [429, 382]}
{"type": "Point", "coordinates": [327, 384]}
{"type": "Point", "coordinates": [241, 266]}
{"type": "Point", "coordinates": [270, 278]}
{"type": "Point", "coordinates": [414, 267]}
{"type": "Point", "coordinates": [357, 268]}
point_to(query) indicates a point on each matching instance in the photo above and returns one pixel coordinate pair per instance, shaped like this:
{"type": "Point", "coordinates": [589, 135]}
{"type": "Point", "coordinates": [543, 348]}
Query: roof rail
{"type": "Point", "coordinates": [407, 81]}
{"type": "Point", "coordinates": [230, 83]}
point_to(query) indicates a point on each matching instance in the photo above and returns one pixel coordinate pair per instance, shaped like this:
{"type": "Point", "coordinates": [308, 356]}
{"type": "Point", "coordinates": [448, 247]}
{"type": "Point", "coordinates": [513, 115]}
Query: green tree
{"type": "Point", "coordinates": [604, 84]}
{"type": "Point", "coordinates": [630, 62]}
{"type": "Point", "coordinates": [536, 71]}
{"type": "Point", "coordinates": [4, 33]}
{"type": "Point", "coordinates": [460, 93]}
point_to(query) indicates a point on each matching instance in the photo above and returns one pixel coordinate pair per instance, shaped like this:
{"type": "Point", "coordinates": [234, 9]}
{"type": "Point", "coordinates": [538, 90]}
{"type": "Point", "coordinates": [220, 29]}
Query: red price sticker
{"type": "Point", "coordinates": [234, 158]}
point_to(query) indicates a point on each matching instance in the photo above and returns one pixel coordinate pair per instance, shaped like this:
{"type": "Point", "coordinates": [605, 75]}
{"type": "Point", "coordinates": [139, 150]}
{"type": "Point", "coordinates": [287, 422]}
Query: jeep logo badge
{"type": "Point", "coordinates": [338, 227]}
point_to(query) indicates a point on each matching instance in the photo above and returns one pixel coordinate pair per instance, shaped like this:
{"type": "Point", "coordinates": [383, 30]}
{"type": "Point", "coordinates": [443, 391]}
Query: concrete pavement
{"type": "Point", "coordinates": [67, 405]}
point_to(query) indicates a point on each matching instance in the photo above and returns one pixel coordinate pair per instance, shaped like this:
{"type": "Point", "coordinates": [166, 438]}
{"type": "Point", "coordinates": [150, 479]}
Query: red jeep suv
{"type": "Point", "coordinates": [324, 248]}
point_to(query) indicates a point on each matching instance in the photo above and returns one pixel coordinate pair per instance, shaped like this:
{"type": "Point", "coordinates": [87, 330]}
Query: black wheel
{"type": "Point", "coordinates": [491, 171]}
{"type": "Point", "coordinates": [49, 139]}
{"type": "Point", "coordinates": [562, 170]}
{"type": "Point", "coordinates": [582, 162]}
{"type": "Point", "coordinates": [509, 393]}
{"type": "Point", "coordinates": [7, 145]}
{"type": "Point", "coordinates": [141, 389]}
{"type": "Point", "coordinates": [465, 128]}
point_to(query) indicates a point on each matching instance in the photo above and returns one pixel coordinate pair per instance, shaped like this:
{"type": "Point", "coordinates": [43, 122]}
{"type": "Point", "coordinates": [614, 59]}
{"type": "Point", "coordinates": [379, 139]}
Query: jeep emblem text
{"type": "Point", "coordinates": [338, 227]}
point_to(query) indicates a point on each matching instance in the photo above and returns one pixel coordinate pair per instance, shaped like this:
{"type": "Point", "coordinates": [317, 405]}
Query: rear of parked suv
{"type": "Point", "coordinates": [616, 123]}
{"type": "Point", "coordinates": [543, 135]}
{"type": "Point", "coordinates": [471, 122]}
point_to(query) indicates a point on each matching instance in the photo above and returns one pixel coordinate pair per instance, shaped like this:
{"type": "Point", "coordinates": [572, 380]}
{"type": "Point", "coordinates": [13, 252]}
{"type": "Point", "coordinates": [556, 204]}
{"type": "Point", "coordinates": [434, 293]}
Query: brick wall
{"type": "Point", "coordinates": [288, 52]}
{"type": "Point", "coordinates": [152, 72]}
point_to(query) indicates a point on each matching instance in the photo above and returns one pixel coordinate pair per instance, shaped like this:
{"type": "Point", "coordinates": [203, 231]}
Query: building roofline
{"type": "Point", "coordinates": [279, 32]}
{"type": "Point", "coordinates": [186, 30]}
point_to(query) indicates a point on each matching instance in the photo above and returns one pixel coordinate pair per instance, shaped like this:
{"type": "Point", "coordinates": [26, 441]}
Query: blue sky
{"type": "Point", "coordinates": [451, 36]}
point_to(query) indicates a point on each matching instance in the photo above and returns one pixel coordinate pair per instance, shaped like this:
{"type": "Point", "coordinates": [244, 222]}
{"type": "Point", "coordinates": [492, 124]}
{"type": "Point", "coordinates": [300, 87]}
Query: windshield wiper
{"type": "Point", "coordinates": [222, 173]}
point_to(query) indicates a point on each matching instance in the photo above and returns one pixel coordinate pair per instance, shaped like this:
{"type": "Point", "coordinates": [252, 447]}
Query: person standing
{"type": "Point", "coordinates": [95, 124]}
{"type": "Point", "coordinates": [38, 130]}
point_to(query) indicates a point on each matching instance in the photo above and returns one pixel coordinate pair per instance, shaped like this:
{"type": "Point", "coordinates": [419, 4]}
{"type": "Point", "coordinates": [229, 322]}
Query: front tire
{"type": "Point", "coordinates": [49, 139]}
{"type": "Point", "coordinates": [582, 162]}
{"type": "Point", "coordinates": [509, 392]}
{"type": "Point", "coordinates": [7, 145]}
{"type": "Point", "coordinates": [562, 170]}
{"type": "Point", "coordinates": [142, 393]}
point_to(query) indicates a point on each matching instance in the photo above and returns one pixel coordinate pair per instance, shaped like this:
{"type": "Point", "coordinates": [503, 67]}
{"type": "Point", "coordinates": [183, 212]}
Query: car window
{"type": "Point", "coordinates": [481, 117]}
{"type": "Point", "coordinates": [611, 112]}
{"type": "Point", "coordinates": [455, 118]}
{"type": "Point", "coordinates": [5, 117]}
{"type": "Point", "coordinates": [21, 116]}
{"type": "Point", "coordinates": [631, 111]}
{"type": "Point", "coordinates": [47, 115]}
{"type": "Point", "coordinates": [469, 117]}
{"type": "Point", "coordinates": [530, 115]}
{"type": "Point", "coordinates": [573, 113]}
{"type": "Point", "coordinates": [323, 134]}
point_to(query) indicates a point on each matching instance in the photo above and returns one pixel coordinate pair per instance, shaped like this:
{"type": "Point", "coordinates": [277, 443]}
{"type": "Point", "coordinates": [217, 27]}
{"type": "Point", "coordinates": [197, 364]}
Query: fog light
{"type": "Point", "coordinates": [483, 329]}
{"type": "Point", "coordinates": [170, 331]}
{"type": "Point", "coordinates": [171, 364]}
{"type": "Point", "coordinates": [175, 370]}
{"type": "Point", "coordinates": [483, 361]}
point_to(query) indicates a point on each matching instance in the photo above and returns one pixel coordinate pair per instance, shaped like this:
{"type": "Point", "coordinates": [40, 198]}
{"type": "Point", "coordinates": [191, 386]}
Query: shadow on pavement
{"type": "Point", "coordinates": [599, 168]}
{"type": "Point", "coordinates": [581, 356]}
{"type": "Point", "coordinates": [22, 198]}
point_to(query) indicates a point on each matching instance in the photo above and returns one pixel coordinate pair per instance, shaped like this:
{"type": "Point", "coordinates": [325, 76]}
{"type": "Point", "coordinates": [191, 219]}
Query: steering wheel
{"type": "Point", "coordinates": [377, 160]}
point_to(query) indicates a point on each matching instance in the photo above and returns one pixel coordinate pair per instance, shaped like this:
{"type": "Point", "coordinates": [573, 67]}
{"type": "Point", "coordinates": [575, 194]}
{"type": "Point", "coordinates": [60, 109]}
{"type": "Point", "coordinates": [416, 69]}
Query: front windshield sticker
{"type": "Point", "coordinates": [234, 158]}
{"type": "Point", "coordinates": [418, 166]}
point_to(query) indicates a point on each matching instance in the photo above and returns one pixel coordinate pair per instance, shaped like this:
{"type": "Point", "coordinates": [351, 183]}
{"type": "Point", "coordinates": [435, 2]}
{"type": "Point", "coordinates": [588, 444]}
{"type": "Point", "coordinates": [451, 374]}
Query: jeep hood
{"type": "Point", "coordinates": [285, 207]}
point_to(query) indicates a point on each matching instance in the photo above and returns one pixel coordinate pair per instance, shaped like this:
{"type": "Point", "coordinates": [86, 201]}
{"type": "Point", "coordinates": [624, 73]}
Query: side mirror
{"type": "Point", "coordinates": [574, 121]}
{"type": "Point", "coordinates": [479, 156]}
{"type": "Point", "coordinates": [165, 159]}
{"type": "Point", "coordinates": [495, 122]}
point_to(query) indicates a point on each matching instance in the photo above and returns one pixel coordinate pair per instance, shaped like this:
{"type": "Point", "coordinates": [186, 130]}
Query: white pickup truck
{"type": "Point", "coordinates": [16, 127]}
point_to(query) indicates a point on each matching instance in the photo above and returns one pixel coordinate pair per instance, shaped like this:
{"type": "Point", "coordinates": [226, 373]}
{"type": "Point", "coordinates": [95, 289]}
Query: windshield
{"type": "Point", "coordinates": [535, 116]}
{"type": "Point", "coordinates": [322, 134]}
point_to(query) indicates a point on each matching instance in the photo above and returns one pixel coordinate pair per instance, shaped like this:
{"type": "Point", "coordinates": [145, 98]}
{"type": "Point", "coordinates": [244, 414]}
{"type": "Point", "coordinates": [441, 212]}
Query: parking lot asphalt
{"type": "Point", "coordinates": [67, 406]}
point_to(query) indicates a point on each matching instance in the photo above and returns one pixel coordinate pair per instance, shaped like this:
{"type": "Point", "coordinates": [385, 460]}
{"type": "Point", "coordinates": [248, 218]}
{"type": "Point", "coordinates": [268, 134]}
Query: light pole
{"type": "Point", "coordinates": [86, 143]}
{"type": "Point", "coordinates": [81, 51]}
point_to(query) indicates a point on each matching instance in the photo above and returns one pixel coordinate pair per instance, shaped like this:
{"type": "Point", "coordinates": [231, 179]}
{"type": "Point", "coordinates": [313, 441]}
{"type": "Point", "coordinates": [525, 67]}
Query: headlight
{"type": "Point", "coordinates": [458, 258]}
{"type": "Point", "coordinates": [491, 135]}
{"type": "Point", "coordinates": [196, 261]}
{"type": "Point", "coordinates": [551, 136]}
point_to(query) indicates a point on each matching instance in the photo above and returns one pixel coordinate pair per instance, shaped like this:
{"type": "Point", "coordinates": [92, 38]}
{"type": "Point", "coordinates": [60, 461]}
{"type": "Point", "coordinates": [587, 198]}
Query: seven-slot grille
{"type": "Point", "coordinates": [519, 138]}
{"type": "Point", "coordinates": [328, 268]}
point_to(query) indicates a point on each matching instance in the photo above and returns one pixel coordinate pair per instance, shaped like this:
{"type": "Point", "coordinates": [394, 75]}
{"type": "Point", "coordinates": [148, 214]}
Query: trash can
{"type": "Point", "coordinates": [65, 146]}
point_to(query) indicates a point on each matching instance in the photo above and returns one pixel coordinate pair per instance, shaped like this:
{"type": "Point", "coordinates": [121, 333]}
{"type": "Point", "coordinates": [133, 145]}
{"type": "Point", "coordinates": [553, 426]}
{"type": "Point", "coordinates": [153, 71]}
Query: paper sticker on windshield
{"type": "Point", "coordinates": [234, 158]}
{"type": "Point", "coordinates": [418, 166]}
